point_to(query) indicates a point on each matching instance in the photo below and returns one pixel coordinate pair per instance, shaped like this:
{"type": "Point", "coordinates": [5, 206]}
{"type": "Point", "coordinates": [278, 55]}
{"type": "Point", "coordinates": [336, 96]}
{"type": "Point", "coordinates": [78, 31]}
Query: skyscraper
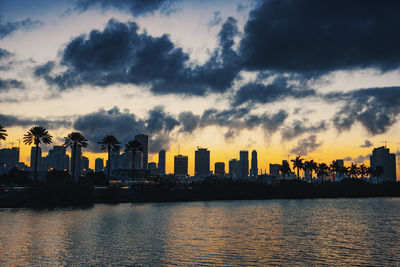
{"type": "Point", "coordinates": [85, 163]}
{"type": "Point", "coordinates": [181, 165]}
{"type": "Point", "coordinates": [233, 168]}
{"type": "Point", "coordinates": [202, 162]}
{"type": "Point", "coordinates": [161, 162]}
{"type": "Point", "coordinates": [244, 164]}
{"type": "Point", "coordinates": [9, 156]}
{"type": "Point", "coordinates": [382, 157]}
{"type": "Point", "coordinates": [219, 168]}
{"type": "Point", "coordinates": [57, 158]}
{"type": "Point", "coordinates": [78, 162]}
{"type": "Point", "coordinates": [144, 140]}
{"type": "Point", "coordinates": [33, 157]}
{"type": "Point", "coordinates": [254, 164]}
{"type": "Point", "coordinates": [99, 165]}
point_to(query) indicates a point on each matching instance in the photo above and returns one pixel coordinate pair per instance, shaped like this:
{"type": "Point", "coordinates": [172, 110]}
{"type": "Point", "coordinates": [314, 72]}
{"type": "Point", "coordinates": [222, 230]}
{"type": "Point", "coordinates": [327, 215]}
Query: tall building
{"type": "Point", "coordinates": [57, 158]}
{"type": "Point", "coordinates": [33, 157]}
{"type": "Point", "coordinates": [85, 163]}
{"type": "Point", "coordinates": [274, 169]}
{"type": "Point", "coordinates": [219, 168]}
{"type": "Point", "coordinates": [244, 164]}
{"type": "Point", "coordinates": [202, 162]}
{"type": "Point", "coordinates": [254, 164]}
{"type": "Point", "coordinates": [144, 140]}
{"type": "Point", "coordinates": [9, 157]}
{"type": "Point", "coordinates": [99, 165]}
{"type": "Point", "coordinates": [78, 162]}
{"type": "Point", "coordinates": [381, 156]}
{"type": "Point", "coordinates": [161, 161]}
{"type": "Point", "coordinates": [152, 168]}
{"type": "Point", "coordinates": [181, 165]}
{"type": "Point", "coordinates": [233, 168]}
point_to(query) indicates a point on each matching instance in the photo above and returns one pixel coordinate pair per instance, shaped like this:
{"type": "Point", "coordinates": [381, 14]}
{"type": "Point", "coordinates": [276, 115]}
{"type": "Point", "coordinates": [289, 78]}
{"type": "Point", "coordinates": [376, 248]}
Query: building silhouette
{"type": "Point", "coordinates": [33, 157]}
{"type": "Point", "coordinates": [57, 159]}
{"type": "Point", "coordinates": [85, 163]}
{"type": "Point", "coordinates": [99, 165]}
{"type": "Point", "coordinates": [161, 162]}
{"type": "Point", "coordinates": [274, 169]}
{"type": "Point", "coordinates": [382, 157]}
{"type": "Point", "coordinates": [9, 157]}
{"type": "Point", "coordinates": [219, 168]}
{"type": "Point", "coordinates": [254, 164]}
{"type": "Point", "coordinates": [202, 162]}
{"type": "Point", "coordinates": [181, 165]}
{"type": "Point", "coordinates": [144, 140]}
{"type": "Point", "coordinates": [153, 168]}
{"type": "Point", "coordinates": [244, 164]}
{"type": "Point", "coordinates": [233, 168]}
{"type": "Point", "coordinates": [78, 161]}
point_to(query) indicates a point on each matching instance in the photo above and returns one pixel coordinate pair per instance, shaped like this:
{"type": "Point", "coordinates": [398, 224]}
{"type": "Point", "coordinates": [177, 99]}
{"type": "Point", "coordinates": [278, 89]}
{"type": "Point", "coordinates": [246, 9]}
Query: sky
{"type": "Point", "coordinates": [313, 78]}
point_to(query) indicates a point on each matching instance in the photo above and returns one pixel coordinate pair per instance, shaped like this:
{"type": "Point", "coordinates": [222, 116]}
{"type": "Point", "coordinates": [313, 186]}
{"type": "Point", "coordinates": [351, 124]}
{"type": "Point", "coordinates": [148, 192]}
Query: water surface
{"type": "Point", "coordinates": [223, 233]}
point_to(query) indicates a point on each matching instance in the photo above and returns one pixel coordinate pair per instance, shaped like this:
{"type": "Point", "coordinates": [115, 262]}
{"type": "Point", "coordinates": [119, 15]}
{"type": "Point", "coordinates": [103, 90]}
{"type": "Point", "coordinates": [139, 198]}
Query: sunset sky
{"type": "Point", "coordinates": [314, 78]}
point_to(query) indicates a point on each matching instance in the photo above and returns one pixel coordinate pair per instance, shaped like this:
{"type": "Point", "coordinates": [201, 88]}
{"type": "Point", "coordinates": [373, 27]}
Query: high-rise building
{"type": "Point", "coordinates": [9, 157]}
{"type": "Point", "coordinates": [161, 162]}
{"type": "Point", "coordinates": [181, 165]}
{"type": "Point", "coordinates": [202, 162]}
{"type": "Point", "coordinates": [77, 161]}
{"type": "Point", "coordinates": [382, 157]}
{"type": "Point", "coordinates": [274, 169]}
{"type": "Point", "coordinates": [33, 157]}
{"type": "Point", "coordinates": [254, 164]}
{"type": "Point", "coordinates": [99, 165]}
{"type": "Point", "coordinates": [219, 168]}
{"type": "Point", "coordinates": [152, 168]}
{"type": "Point", "coordinates": [233, 168]}
{"type": "Point", "coordinates": [57, 158]}
{"type": "Point", "coordinates": [85, 163]}
{"type": "Point", "coordinates": [244, 164]}
{"type": "Point", "coordinates": [139, 160]}
{"type": "Point", "coordinates": [144, 140]}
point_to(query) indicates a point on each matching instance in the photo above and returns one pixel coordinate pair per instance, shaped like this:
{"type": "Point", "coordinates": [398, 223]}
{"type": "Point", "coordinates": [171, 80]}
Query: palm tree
{"type": "Point", "coordinates": [108, 142]}
{"type": "Point", "coordinates": [322, 170]}
{"type": "Point", "coordinates": [37, 135]}
{"type": "Point", "coordinates": [363, 170]}
{"type": "Point", "coordinates": [133, 146]}
{"type": "Point", "coordinates": [334, 167]}
{"type": "Point", "coordinates": [284, 169]}
{"type": "Point", "coordinates": [298, 164]}
{"type": "Point", "coordinates": [353, 171]}
{"type": "Point", "coordinates": [3, 133]}
{"type": "Point", "coordinates": [74, 140]}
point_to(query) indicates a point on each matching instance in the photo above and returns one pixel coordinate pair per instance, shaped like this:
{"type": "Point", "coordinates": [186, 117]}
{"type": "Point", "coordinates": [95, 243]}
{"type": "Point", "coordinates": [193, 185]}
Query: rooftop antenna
{"type": "Point", "coordinates": [385, 142]}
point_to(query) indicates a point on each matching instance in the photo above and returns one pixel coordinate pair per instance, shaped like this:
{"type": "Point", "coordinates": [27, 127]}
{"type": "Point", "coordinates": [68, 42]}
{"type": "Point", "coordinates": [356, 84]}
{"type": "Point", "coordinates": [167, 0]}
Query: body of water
{"type": "Point", "coordinates": [221, 233]}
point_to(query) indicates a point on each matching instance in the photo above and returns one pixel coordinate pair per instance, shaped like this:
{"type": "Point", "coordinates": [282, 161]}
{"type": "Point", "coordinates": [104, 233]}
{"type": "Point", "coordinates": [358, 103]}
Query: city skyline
{"type": "Point", "coordinates": [202, 79]}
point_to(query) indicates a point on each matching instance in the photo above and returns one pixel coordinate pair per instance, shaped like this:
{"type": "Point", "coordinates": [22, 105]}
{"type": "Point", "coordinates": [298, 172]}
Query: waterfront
{"type": "Point", "coordinates": [256, 232]}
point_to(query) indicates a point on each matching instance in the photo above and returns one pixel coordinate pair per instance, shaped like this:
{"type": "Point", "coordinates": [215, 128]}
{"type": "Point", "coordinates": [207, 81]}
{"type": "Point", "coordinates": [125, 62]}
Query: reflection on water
{"type": "Point", "coordinates": [282, 232]}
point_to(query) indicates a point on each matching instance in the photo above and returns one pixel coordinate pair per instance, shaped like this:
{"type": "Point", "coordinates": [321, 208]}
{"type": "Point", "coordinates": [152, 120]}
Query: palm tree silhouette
{"type": "Point", "coordinates": [3, 133]}
{"type": "Point", "coordinates": [133, 146]}
{"type": "Point", "coordinates": [298, 164]}
{"type": "Point", "coordinates": [322, 170]}
{"type": "Point", "coordinates": [284, 169]}
{"type": "Point", "coordinates": [363, 170]}
{"type": "Point", "coordinates": [353, 171]}
{"type": "Point", "coordinates": [108, 142]}
{"type": "Point", "coordinates": [74, 140]}
{"type": "Point", "coordinates": [334, 167]}
{"type": "Point", "coordinates": [37, 135]}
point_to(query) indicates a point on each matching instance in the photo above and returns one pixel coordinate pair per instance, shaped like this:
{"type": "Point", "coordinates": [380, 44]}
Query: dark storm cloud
{"type": "Point", "coordinates": [125, 125]}
{"type": "Point", "coordinates": [189, 121]}
{"type": "Point", "coordinates": [319, 36]}
{"type": "Point", "coordinates": [119, 54]}
{"type": "Point", "coordinates": [367, 143]}
{"type": "Point", "coordinates": [135, 7]}
{"type": "Point", "coordinates": [49, 123]}
{"type": "Point", "coordinates": [298, 128]}
{"type": "Point", "coordinates": [306, 146]}
{"type": "Point", "coordinates": [279, 89]}
{"type": "Point", "coordinates": [6, 28]}
{"type": "Point", "coordinates": [7, 84]}
{"type": "Point", "coordinates": [377, 109]}
{"type": "Point", "coordinates": [4, 53]}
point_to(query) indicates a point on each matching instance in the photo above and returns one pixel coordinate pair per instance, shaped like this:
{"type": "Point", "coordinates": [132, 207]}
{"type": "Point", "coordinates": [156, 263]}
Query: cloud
{"type": "Point", "coordinates": [298, 128]}
{"type": "Point", "coordinates": [4, 53]}
{"type": "Point", "coordinates": [377, 109]}
{"type": "Point", "coordinates": [306, 146]}
{"type": "Point", "coordinates": [135, 7]}
{"type": "Point", "coordinates": [49, 123]}
{"type": "Point", "coordinates": [367, 143]}
{"type": "Point", "coordinates": [317, 36]}
{"type": "Point", "coordinates": [125, 125]}
{"type": "Point", "coordinates": [277, 90]}
{"type": "Point", "coordinates": [359, 159]}
{"type": "Point", "coordinates": [6, 85]}
{"type": "Point", "coordinates": [189, 121]}
{"type": "Point", "coordinates": [216, 20]}
{"type": "Point", "coordinates": [7, 28]}
{"type": "Point", "coordinates": [119, 54]}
